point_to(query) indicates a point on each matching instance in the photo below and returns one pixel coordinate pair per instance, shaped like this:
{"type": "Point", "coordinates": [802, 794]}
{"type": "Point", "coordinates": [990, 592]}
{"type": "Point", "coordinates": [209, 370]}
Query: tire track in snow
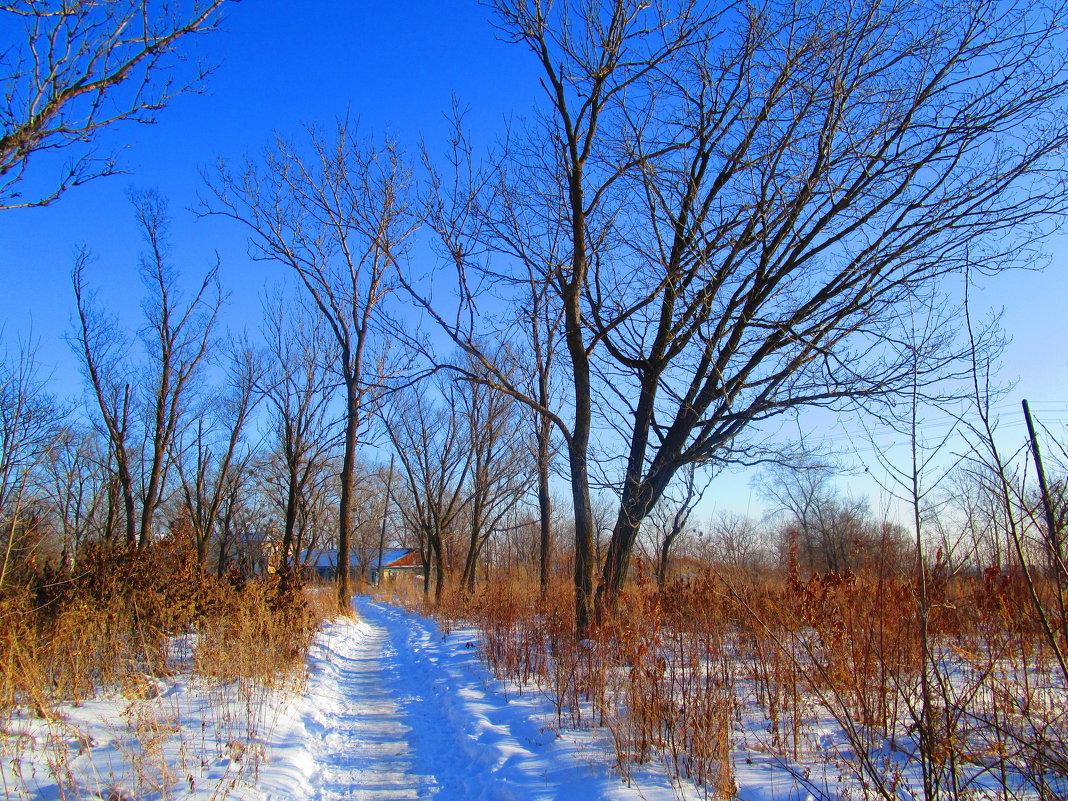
{"type": "Point", "coordinates": [400, 711]}
{"type": "Point", "coordinates": [476, 746]}
{"type": "Point", "coordinates": [363, 752]}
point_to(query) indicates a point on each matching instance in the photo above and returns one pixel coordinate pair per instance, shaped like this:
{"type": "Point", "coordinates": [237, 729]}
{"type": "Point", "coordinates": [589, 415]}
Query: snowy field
{"type": "Point", "coordinates": [391, 709]}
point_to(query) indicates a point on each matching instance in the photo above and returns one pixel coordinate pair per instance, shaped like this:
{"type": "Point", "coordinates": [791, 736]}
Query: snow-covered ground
{"type": "Point", "coordinates": [391, 709]}
{"type": "Point", "coordinates": [396, 710]}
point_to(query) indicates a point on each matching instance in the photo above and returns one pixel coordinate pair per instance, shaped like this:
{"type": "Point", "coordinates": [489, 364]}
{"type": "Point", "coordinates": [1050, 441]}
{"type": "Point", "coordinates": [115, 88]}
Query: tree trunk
{"type": "Point", "coordinates": [202, 547]}
{"type": "Point", "coordinates": [585, 557]}
{"type": "Point", "coordinates": [110, 522]}
{"type": "Point", "coordinates": [122, 463]}
{"type": "Point", "coordinates": [638, 500]}
{"type": "Point", "coordinates": [439, 569]}
{"type": "Point", "coordinates": [290, 522]}
{"type": "Point", "coordinates": [467, 578]}
{"type": "Point", "coordinates": [126, 483]}
{"type": "Point", "coordinates": [579, 445]}
{"type": "Point", "coordinates": [665, 558]}
{"type": "Point", "coordinates": [545, 539]}
{"type": "Point", "coordinates": [427, 565]}
{"type": "Point", "coordinates": [348, 480]}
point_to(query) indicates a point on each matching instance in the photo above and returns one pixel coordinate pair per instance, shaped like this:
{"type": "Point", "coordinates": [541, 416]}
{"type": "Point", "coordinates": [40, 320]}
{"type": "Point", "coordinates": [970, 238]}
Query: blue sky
{"type": "Point", "coordinates": [394, 67]}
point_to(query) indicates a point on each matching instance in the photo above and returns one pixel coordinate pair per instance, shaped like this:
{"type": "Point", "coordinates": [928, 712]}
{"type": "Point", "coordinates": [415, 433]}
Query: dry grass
{"type": "Point", "coordinates": [696, 672]}
{"type": "Point", "coordinates": [124, 621]}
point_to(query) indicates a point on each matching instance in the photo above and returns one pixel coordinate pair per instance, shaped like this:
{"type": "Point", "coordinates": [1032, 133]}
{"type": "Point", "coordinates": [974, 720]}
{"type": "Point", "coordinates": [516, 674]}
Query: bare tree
{"type": "Point", "coordinates": [514, 224]}
{"type": "Point", "coordinates": [69, 70]}
{"type": "Point", "coordinates": [29, 427]}
{"type": "Point", "coordinates": [803, 489]}
{"type": "Point", "coordinates": [238, 515]}
{"type": "Point", "coordinates": [1015, 514]}
{"type": "Point", "coordinates": [314, 513]}
{"type": "Point", "coordinates": [671, 516]}
{"type": "Point", "coordinates": [78, 478]}
{"type": "Point", "coordinates": [750, 198]}
{"type": "Point", "coordinates": [102, 349]}
{"type": "Point", "coordinates": [29, 423]}
{"type": "Point", "coordinates": [427, 430]}
{"type": "Point", "coordinates": [176, 338]}
{"type": "Point", "coordinates": [736, 541]}
{"type": "Point", "coordinates": [339, 217]}
{"type": "Point", "coordinates": [298, 388]}
{"type": "Point", "coordinates": [831, 532]}
{"type": "Point", "coordinates": [499, 466]}
{"type": "Point", "coordinates": [211, 458]}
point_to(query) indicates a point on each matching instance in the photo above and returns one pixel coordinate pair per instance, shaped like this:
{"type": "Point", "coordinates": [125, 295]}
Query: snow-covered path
{"type": "Point", "coordinates": [363, 751]}
{"type": "Point", "coordinates": [398, 711]}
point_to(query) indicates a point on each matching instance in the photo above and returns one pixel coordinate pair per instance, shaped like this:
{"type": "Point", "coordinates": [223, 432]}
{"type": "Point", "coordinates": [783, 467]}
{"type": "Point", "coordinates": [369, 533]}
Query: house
{"type": "Point", "coordinates": [323, 562]}
{"type": "Point", "coordinates": [396, 562]}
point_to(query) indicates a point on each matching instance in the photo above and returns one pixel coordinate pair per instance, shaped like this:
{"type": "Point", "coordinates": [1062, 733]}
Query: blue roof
{"type": "Point", "coordinates": [390, 556]}
{"type": "Point", "coordinates": [327, 557]}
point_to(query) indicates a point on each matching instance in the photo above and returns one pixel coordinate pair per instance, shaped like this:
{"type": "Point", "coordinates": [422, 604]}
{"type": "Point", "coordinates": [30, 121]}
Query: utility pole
{"type": "Point", "coordinates": [385, 509]}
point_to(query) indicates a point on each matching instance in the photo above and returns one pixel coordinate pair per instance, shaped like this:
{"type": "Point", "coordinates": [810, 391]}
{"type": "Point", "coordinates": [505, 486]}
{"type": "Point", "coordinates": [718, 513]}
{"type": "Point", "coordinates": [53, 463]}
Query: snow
{"type": "Point", "coordinates": [361, 736]}
{"type": "Point", "coordinates": [391, 708]}
{"type": "Point", "coordinates": [435, 720]}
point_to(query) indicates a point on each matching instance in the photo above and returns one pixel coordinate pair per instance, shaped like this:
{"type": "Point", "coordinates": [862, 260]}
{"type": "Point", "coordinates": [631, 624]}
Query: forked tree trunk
{"type": "Point", "coordinates": [634, 508]}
